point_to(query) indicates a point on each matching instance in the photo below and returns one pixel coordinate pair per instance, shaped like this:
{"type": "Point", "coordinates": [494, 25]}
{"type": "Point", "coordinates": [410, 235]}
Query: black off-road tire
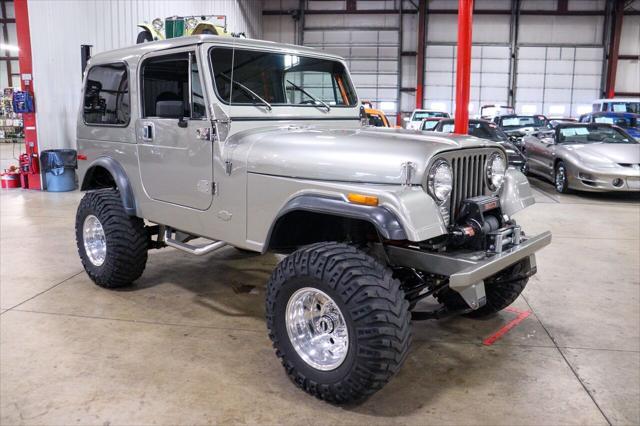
{"type": "Point", "coordinates": [127, 240]}
{"type": "Point", "coordinates": [144, 36]}
{"type": "Point", "coordinates": [375, 310]}
{"type": "Point", "coordinates": [501, 291]}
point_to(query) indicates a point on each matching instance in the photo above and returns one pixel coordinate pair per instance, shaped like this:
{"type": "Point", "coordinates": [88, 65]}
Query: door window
{"type": "Point", "coordinates": [165, 86]}
{"type": "Point", "coordinates": [198, 109]}
{"type": "Point", "coordinates": [106, 95]}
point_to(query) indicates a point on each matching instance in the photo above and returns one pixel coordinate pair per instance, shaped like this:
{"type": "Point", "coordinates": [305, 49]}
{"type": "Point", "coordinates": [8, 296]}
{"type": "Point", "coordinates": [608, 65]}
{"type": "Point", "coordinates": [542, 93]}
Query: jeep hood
{"type": "Point", "coordinates": [368, 155]}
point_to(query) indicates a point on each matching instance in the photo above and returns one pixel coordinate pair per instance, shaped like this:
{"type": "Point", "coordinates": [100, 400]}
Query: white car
{"type": "Point", "coordinates": [415, 122]}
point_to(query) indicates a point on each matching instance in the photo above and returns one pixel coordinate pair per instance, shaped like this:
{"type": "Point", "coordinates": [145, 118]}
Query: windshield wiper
{"type": "Point", "coordinates": [250, 92]}
{"type": "Point", "coordinates": [316, 100]}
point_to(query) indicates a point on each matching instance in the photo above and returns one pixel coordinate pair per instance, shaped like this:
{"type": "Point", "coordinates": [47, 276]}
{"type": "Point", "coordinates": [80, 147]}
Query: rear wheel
{"type": "Point", "coordinates": [112, 245]}
{"type": "Point", "coordinates": [338, 320]}
{"type": "Point", "coordinates": [144, 36]}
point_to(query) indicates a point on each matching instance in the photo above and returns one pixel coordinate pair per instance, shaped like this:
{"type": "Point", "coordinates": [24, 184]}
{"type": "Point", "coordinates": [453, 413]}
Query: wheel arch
{"type": "Point", "coordinates": [105, 172]}
{"type": "Point", "coordinates": [307, 219]}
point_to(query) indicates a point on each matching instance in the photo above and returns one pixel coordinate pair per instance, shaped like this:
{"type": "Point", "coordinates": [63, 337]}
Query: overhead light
{"type": "Point", "coordinates": [529, 109]}
{"type": "Point", "coordinates": [9, 47]}
{"type": "Point", "coordinates": [472, 106]}
{"type": "Point", "coordinates": [438, 106]}
{"type": "Point", "coordinates": [557, 109]}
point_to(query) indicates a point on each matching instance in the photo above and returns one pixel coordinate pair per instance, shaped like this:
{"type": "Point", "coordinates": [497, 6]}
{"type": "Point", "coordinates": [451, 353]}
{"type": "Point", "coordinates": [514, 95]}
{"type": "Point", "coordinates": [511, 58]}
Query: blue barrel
{"type": "Point", "coordinates": [59, 166]}
{"type": "Point", "coordinates": [66, 181]}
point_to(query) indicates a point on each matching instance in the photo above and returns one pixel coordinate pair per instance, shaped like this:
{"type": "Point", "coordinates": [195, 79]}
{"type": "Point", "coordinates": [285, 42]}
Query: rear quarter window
{"type": "Point", "coordinates": [106, 95]}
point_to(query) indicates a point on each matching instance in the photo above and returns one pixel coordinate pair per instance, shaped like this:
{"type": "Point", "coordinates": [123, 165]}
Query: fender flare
{"type": "Point", "coordinates": [385, 222]}
{"type": "Point", "coordinates": [119, 177]}
{"type": "Point", "coordinates": [207, 26]}
{"type": "Point", "coordinates": [148, 27]}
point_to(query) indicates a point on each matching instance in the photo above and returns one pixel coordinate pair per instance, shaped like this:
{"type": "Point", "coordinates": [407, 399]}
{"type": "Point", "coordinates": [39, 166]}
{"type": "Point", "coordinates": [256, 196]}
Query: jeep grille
{"type": "Point", "coordinates": [469, 180]}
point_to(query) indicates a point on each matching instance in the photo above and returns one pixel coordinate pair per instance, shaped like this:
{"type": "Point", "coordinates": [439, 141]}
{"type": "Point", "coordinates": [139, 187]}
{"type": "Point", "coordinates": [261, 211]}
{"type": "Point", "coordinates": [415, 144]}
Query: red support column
{"type": "Point", "coordinates": [26, 78]}
{"type": "Point", "coordinates": [463, 67]}
{"type": "Point", "coordinates": [614, 48]}
{"type": "Point", "coordinates": [422, 27]}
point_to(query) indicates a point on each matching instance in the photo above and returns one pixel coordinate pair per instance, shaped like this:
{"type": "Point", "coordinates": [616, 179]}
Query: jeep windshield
{"type": "Point", "coordinates": [518, 121]}
{"type": "Point", "coordinates": [251, 77]}
{"type": "Point", "coordinates": [592, 134]}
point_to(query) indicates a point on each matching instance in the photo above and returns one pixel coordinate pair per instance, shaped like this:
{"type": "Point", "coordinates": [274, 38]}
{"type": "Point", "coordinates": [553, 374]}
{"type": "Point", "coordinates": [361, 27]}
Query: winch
{"type": "Point", "coordinates": [482, 226]}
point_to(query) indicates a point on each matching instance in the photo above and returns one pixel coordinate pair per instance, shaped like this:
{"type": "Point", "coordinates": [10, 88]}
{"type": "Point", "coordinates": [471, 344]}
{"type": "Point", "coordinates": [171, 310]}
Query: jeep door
{"type": "Point", "coordinates": [173, 131]}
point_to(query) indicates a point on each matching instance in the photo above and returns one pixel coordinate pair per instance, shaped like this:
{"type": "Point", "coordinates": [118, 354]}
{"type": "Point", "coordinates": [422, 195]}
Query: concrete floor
{"type": "Point", "coordinates": [188, 344]}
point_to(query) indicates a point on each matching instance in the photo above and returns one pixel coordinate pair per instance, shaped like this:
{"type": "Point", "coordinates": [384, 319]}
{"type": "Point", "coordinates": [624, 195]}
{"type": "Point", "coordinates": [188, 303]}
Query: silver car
{"type": "Point", "coordinates": [261, 146]}
{"type": "Point", "coordinates": [585, 157]}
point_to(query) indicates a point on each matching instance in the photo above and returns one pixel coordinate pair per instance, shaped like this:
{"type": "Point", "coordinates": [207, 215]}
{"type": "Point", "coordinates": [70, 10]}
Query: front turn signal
{"type": "Point", "coordinates": [367, 200]}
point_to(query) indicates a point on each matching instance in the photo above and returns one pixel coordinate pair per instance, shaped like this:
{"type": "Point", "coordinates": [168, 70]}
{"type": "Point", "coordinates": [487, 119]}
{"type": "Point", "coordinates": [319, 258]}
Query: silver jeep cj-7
{"type": "Point", "coordinates": [261, 146]}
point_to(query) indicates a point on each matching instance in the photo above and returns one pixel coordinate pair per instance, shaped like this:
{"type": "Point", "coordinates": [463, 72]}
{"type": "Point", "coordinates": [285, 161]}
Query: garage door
{"type": "Point", "coordinates": [558, 81]}
{"type": "Point", "coordinates": [372, 57]}
{"type": "Point", "coordinates": [489, 77]}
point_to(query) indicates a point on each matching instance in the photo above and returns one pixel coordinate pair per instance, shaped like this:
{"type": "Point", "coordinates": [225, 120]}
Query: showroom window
{"type": "Point", "coordinates": [280, 79]}
{"type": "Point", "coordinates": [106, 95]}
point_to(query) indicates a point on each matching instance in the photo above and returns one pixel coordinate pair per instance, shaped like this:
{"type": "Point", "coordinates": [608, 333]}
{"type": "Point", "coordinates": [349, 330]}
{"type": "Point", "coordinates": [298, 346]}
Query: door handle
{"type": "Point", "coordinates": [147, 132]}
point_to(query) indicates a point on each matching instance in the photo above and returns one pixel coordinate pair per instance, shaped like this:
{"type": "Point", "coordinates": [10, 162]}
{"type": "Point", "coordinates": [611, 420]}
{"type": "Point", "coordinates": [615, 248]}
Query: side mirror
{"type": "Point", "coordinates": [221, 123]}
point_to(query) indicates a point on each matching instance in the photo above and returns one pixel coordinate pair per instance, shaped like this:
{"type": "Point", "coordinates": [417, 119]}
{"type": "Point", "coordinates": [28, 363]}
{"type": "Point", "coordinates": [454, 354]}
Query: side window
{"type": "Point", "coordinates": [165, 86]}
{"type": "Point", "coordinates": [106, 95]}
{"type": "Point", "coordinates": [198, 109]}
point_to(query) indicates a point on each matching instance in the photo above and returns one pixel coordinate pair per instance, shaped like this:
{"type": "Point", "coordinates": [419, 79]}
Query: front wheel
{"type": "Point", "coordinates": [501, 290]}
{"type": "Point", "coordinates": [560, 179]}
{"type": "Point", "coordinates": [338, 320]}
{"type": "Point", "coordinates": [112, 245]}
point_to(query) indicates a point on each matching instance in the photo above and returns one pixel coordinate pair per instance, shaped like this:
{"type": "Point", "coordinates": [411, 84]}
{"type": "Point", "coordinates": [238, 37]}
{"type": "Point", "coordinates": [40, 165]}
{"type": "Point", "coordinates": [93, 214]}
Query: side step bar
{"type": "Point", "coordinates": [195, 250]}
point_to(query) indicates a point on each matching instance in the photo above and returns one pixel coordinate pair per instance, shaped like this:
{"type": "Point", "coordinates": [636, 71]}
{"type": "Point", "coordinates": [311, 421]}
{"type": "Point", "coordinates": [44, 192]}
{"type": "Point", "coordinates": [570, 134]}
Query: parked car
{"type": "Point", "coordinates": [629, 121]}
{"type": "Point", "coordinates": [554, 121]}
{"type": "Point", "coordinates": [491, 111]}
{"type": "Point", "coordinates": [226, 140]}
{"type": "Point", "coordinates": [487, 130]}
{"type": "Point", "coordinates": [428, 124]}
{"type": "Point", "coordinates": [178, 26]}
{"type": "Point", "coordinates": [617, 105]}
{"type": "Point", "coordinates": [375, 117]}
{"type": "Point", "coordinates": [585, 157]}
{"type": "Point", "coordinates": [517, 126]}
{"type": "Point", "coordinates": [415, 122]}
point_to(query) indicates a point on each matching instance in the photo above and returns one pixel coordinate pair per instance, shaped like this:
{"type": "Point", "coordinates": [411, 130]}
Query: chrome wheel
{"type": "Point", "coordinates": [94, 240]}
{"type": "Point", "coordinates": [317, 329]}
{"type": "Point", "coordinates": [561, 177]}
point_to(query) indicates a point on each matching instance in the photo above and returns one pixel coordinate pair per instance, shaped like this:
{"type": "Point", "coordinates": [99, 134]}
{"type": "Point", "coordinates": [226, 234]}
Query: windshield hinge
{"type": "Point", "coordinates": [228, 167]}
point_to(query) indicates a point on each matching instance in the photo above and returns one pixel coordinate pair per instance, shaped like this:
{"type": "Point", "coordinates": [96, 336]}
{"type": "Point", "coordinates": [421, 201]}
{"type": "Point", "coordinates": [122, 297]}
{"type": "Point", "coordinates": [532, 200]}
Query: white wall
{"type": "Point", "coordinates": [59, 27]}
{"type": "Point", "coordinates": [628, 75]}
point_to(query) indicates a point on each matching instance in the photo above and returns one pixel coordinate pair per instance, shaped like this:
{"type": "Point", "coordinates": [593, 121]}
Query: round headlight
{"type": "Point", "coordinates": [440, 180]}
{"type": "Point", "coordinates": [496, 167]}
{"type": "Point", "coordinates": [191, 23]}
{"type": "Point", "coordinates": [157, 24]}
